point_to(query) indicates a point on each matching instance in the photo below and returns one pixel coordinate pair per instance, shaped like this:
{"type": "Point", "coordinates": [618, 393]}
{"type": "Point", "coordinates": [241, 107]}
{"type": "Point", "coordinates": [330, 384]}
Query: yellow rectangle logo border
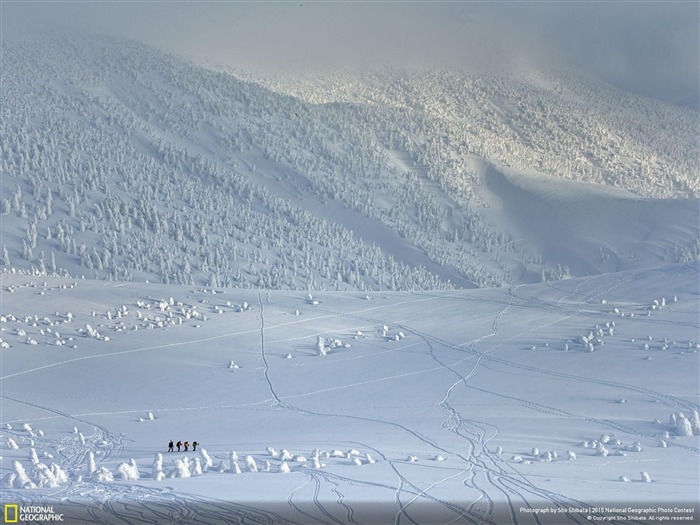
{"type": "Point", "coordinates": [6, 513]}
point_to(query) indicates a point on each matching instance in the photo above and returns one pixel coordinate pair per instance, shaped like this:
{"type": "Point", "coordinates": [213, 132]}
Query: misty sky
{"type": "Point", "coordinates": [652, 48]}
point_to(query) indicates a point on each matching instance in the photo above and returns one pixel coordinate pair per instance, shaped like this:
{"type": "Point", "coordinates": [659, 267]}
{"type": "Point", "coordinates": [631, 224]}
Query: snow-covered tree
{"type": "Point", "coordinates": [59, 474]}
{"type": "Point", "coordinates": [321, 346]}
{"type": "Point", "coordinates": [91, 467]}
{"type": "Point", "coordinates": [22, 480]}
{"type": "Point", "coordinates": [695, 422]}
{"type": "Point", "coordinates": [250, 463]}
{"type": "Point", "coordinates": [157, 470]}
{"type": "Point", "coordinates": [206, 459]}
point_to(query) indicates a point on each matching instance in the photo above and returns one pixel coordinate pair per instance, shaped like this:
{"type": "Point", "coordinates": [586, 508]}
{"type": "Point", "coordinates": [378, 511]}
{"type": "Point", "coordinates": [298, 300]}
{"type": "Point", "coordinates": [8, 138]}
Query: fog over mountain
{"type": "Point", "coordinates": [650, 48]}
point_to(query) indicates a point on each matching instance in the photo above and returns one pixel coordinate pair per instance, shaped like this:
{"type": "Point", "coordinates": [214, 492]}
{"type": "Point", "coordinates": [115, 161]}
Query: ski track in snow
{"type": "Point", "coordinates": [497, 477]}
{"type": "Point", "coordinates": [483, 472]}
{"type": "Point", "coordinates": [473, 446]}
{"type": "Point", "coordinates": [263, 357]}
{"type": "Point", "coordinates": [287, 406]}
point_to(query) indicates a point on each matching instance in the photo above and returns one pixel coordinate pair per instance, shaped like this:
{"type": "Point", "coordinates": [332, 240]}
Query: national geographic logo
{"type": "Point", "coordinates": [13, 513]}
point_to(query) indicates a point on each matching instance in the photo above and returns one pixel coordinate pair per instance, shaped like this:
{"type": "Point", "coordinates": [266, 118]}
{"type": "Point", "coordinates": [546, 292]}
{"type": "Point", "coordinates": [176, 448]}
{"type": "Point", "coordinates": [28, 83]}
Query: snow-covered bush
{"type": "Point", "coordinates": [8, 481]}
{"type": "Point", "coordinates": [43, 476]}
{"type": "Point", "coordinates": [128, 471]}
{"type": "Point", "coordinates": [284, 468]}
{"type": "Point", "coordinates": [91, 332]}
{"type": "Point", "coordinates": [182, 469]}
{"type": "Point", "coordinates": [645, 477]}
{"type": "Point", "coordinates": [682, 424]}
{"type": "Point", "coordinates": [103, 475]}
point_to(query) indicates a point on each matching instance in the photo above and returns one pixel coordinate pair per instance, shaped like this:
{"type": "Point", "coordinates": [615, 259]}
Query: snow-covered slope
{"type": "Point", "coordinates": [590, 228]}
{"type": "Point", "coordinates": [120, 162]}
{"type": "Point", "coordinates": [443, 407]}
{"type": "Point", "coordinates": [554, 121]}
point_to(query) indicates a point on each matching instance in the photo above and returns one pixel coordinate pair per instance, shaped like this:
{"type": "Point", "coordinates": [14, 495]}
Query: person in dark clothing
{"type": "Point", "coordinates": [178, 445]}
{"type": "Point", "coordinates": [187, 446]}
{"type": "Point", "coordinates": [194, 446]}
{"type": "Point", "coordinates": [170, 446]}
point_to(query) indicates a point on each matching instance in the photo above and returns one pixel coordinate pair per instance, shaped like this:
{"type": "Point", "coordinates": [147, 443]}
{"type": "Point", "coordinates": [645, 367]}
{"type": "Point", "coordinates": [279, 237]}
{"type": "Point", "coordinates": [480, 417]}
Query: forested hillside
{"type": "Point", "coordinates": [121, 162]}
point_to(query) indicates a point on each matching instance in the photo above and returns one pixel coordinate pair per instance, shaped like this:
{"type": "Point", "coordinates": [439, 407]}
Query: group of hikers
{"type": "Point", "coordinates": [179, 444]}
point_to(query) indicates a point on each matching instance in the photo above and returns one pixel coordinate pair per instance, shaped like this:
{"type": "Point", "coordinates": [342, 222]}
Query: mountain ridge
{"type": "Point", "coordinates": [127, 163]}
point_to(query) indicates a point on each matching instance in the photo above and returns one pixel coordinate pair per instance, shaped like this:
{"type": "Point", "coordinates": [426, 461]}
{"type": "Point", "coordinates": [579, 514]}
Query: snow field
{"type": "Point", "coordinates": [478, 388]}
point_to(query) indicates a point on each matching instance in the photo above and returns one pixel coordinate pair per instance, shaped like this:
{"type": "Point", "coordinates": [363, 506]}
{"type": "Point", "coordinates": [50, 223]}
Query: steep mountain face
{"type": "Point", "coordinates": [120, 162]}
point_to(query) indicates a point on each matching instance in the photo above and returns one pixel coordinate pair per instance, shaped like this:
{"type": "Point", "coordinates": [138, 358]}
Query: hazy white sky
{"type": "Point", "coordinates": [648, 47]}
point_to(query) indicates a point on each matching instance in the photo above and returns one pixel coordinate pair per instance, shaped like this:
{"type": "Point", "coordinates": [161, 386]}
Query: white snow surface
{"type": "Point", "coordinates": [481, 379]}
{"type": "Point", "coordinates": [589, 228]}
